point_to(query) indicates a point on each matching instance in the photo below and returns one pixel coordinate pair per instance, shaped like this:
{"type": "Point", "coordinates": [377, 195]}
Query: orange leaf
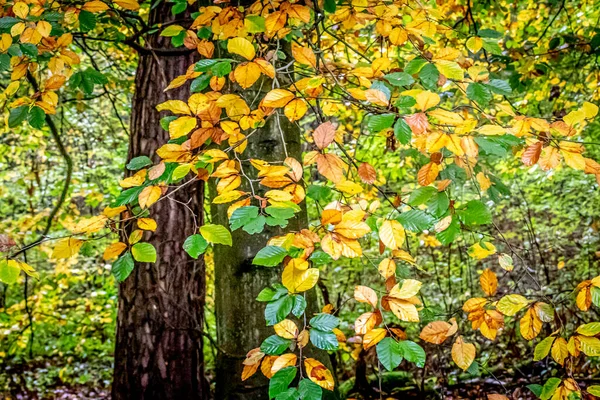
{"type": "Point", "coordinates": [367, 173]}
{"type": "Point", "coordinates": [324, 135]}
{"type": "Point", "coordinates": [489, 282]}
{"type": "Point", "coordinates": [428, 173]}
{"type": "Point", "coordinates": [531, 154]}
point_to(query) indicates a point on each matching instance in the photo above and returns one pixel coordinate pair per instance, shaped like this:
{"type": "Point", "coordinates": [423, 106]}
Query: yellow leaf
{"type": "Point", "coordinates": [560, 351]}
{"type": "Point", "coordinates": [147, 224]}
{"type": "Point", "coordinates": [427, 100]}
{"type": "Point", "coordinates": [181, 126]}
{"type": "Point", "coordinates": [175, 106]}
{"type": "Point", "coordinates": [450, 69]}
{"type": "Point", "coordinates": [149, 196]}
{"type": "Point", "coordinates": [387, 268]}
{"type": "Point", "coordinates": [295, 109]}
{"type": "Point", "coordinates": [277, 98]}
{"type": "Point", "coordinates": [409, 288]}
{"type": "Point", "coordinates": [489, 282]}
{"type": "Point", "coordinates": [297, 280]}
{"type": "Point", "coordinates": [246, 74]}
{"type": "Point", "coordinates": [391, 234]}
{"type": "Point", "coordinates": [352, 229]}
{"type": "Point", "coordinates": [590, 110]}
{"type": "Point", "coordinates": [574, 160]}
{"type": "Point", "coordinates": [365, 294]}
{"type": "Point", "coordinates": [95, 6]}
{"type": "Point", "coordinates": [228, 197]}
{"type": "Point", "coordinates": [511, 304]}
{"type": "Point", "coordinates": [242, 47]}
{"type": "Point", "coordinates": [463, 353]}
{"type": "Point", "coordinates": [474, 44]}
{"type": "Point", "coordinates": [479, 252]}
{"type": "Point", "coordinates": [284, 360]}
{"type": "Point", "coordinates": [304, 55]}
{"type": "Point", "coordinates": [128, 4]}
{"type": "Point", "coordinates": [67, 248]}
{"type": "Point", "coordinates": [373, 337]}
{"type": "Point", "coordinates": [90, 225]}
{"type": "Point", "coordinates": [530, 325]}
{"type": "Point", "coordinates": [113, 211]}
{"type": "Point", "coordinates": [21, 10]}
{"type": "Point", "coordinates": [348, 187]}
{"type": "Point", "coordinates": [249, 370]}
{"type": "Point", "coordinates": [114, 250]}
{"type": "Point", "coordinates": [403, 309]}
{"type": "Point", "coordinates": [319, 374]}
{"type": "Point", "coordinates": [286, 329]}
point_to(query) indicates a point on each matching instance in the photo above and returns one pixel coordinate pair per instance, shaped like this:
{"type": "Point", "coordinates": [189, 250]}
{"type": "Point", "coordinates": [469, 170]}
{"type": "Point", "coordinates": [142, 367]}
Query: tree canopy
{"type": "Point", "coordinates": [421, 177]}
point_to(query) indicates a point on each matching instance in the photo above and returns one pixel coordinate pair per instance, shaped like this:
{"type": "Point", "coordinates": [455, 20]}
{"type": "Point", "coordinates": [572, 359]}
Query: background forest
{"type": "Point", "coordinates": [536, 231]}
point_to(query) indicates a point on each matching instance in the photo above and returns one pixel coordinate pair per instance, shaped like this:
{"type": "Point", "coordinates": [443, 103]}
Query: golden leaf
{"type": "Point", "coordinates": [114, 250]}
{"type": "Point", "coordinates": [365, 294]}
{"type": "Point", "coordinates": [489, 282]}
{"type": "Point", "coordinates": [463, 353]}
{"type": "Point", "coordinates": [391, 234]}
{"type": "Point", "coordinates": [242, 47]}
{"type": "Point", "coordinates": [149, 195]}
{"type": "Point", "coordinates": [373, 337]}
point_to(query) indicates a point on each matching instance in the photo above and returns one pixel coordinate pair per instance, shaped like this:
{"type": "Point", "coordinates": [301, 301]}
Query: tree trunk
{"type": "Point", "coordinates": [241, 323]}
{"type": "Point", "coordinates": [159, 348]}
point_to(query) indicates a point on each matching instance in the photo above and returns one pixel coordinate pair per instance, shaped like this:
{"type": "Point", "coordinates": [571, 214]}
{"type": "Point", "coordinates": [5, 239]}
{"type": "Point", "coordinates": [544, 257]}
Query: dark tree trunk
{"type": "Point", "coordinates": [158, 351]}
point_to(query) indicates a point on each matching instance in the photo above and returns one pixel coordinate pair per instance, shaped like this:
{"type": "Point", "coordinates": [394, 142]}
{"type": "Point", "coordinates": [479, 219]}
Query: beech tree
{"type": "Point", "coordinates": [330, 133]}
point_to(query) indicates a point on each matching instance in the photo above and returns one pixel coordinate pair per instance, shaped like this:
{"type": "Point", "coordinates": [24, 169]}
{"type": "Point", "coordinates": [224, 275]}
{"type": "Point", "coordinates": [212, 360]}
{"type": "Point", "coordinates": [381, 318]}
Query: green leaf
{"type": "Point", "coordinates": [595, 296]}
{"type": "Point", "coordinates": [543, 348]}
{"type": "Point", "coordinates": [180, 172]}
{"type": "Point", "coordinates": [205, 65]}
{"type": "Point", "coordinates": [281, 380]}
{"type": "Point", "coordinates": [388, 353]}
{"type": "Point", "coordinates": [127, 196]}
{"type": "Point", "coordinates": [479, 94]}
{"type": "Point", "coordinates": [377, 123]}
{"type": "Point", "coordinates": [415, 65]}
{"type": "Point", "coordinates": [412, 352]}
{"type": "Point", "coordinates": [318, 193]}
{"type": "Point", "coordinates": [324, 322]}
{"type": "Point", "coordinates": [402, 131]}
{"type": "Point", "coordinates": [497, 145]}
{"type": "Point", "coordinates": [399, 79]}
{"type": "Point", "coordinates": [475, 213]}
{"type": "Point", "coordinates": [144, 252]}
{"type": "Point", "coordinates": [277, 310]}
{"type": "Point", "coordinates": [429, 76]}
{"type": "Point", "coordinates": [535, 388]}
{"type": "Point", "coordinates": [221, 69]}
{"type": "Point", "coordinates": [280, 212]}
{"type": "Point", "coordinates": [329, 6]}
{"type": "Point", "coordinates": [9, 272]}
{"type": "Point", "coordinates": [549, 388]}
{"type": "Point", "coordinates": [255, 23]}
{"type": "Point", "coordinates": [256, 225]}
{"type": "Point", "coordinates": [172, 30]}
{"type": "Point", "coordinates": [216, 234]}
{"type": "Point", "coordinates": [36, 117]}
{"type": "Point", "coordinates": [4, 62]}
{"type": "Point", "coordinates": [270, 256]}
{"type": "Point", "coordinates": [17, 115]}
{"type": "Point", "coordinates": [138, 163]}
{"type": "Point", "coordinates": [123, 267]}
{"type": "Point", "coordinates": [87, 21]}
{"type": "Point", "coordinates": [200, 83]}
{"type": "Point", "coordinates": [421, 195]}
{"type": "Point", "coordinates": [591, 329]}
{"type": "Point", "coordinates": [268, 294]}
{"type": "Point", "coordinates": [500, 87]}
{"type": "Point", "coordinates": [415, 220]}
{"type": "Point", "coordinates": [289, 394]}
{"type": "Point", "coordinates": [195, 245]}
{"type": "Point", "coordinates": [594, 390]}
{"type": "Point", "coordinates": [323, 340]}
{"type": "Point", "coordinates": [275, 345]}
{"type": "Point", "coordinates": [448, 235]}
{"type": "Point", "coordinates": [309, 390]}
{"type": "Point", "coordinates": [241, 216]}
{"type": "Point", "coordinates": [299, 305]}
{"type": "Point", "coordinates": [8, 22]}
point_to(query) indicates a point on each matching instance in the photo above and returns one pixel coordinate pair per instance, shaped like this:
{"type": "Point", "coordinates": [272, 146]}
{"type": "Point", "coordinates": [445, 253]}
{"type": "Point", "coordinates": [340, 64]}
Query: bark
{"type": "Point", "coordinates": [241, 324]}
{"type": "Point", "coordinates": [159, 352]}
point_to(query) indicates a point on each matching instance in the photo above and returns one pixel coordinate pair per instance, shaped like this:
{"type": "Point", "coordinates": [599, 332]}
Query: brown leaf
{"type": "Point", "coordinates": [531, 154]}
{"type": "Point", "coordinates": [367, 173]}
{"type": "Point", "coordinates": [324, 134]}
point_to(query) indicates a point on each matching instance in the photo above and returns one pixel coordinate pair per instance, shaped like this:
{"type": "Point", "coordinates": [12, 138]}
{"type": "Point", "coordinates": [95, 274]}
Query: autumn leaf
{"type": "Point", "coordinates": [489, 282]}
{"type": "Point", "coordinates": [241, 47]}
{"type": "Point", "coordinates": [324, 135]}
{"type": "Point", "coordinates": [463, 353]}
